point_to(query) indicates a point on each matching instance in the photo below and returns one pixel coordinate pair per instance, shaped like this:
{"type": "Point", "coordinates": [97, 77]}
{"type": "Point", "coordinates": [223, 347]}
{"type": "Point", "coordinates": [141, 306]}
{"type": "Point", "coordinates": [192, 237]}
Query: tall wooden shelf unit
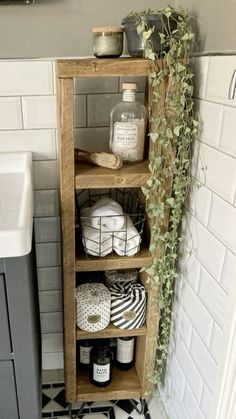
{"type": "Point", "coordinates": [125, 384]}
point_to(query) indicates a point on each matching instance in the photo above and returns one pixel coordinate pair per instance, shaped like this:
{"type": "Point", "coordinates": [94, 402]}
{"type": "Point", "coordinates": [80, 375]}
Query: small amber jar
{"type": "Point", "coordinates": [107, 42]}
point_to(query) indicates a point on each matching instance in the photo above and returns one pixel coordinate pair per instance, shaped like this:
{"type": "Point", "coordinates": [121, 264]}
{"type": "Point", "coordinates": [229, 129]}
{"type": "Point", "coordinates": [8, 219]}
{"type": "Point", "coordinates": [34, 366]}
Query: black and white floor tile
{"type": "Point", "coordinates": [54, 406]}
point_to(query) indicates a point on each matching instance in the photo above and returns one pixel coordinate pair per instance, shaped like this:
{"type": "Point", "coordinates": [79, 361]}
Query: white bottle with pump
{"type": "Point", "coordinates": [128, 126]}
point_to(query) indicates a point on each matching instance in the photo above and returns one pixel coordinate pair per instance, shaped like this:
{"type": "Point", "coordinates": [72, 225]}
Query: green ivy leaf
{"type": "Point", "coordinates": [180, 67]}
{"type": "Point", "coordinates": [169, 133]}
{"type": "Point", "coordinates": [140, 28]}
{"type": "Point", "coordinates": [149, 54]}
{"type": "Point", "coordinates": [170, 202]}
{"type": "Point", "coordinates": [146, 34]}
{"type": "Point", "coordinates": [177, 130]}
{"type": "Point", "coordinates": [154, 136]}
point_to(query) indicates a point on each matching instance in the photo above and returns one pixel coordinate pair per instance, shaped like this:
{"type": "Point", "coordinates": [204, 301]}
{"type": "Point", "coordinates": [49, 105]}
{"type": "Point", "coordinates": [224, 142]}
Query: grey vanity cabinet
{"type": "Point", "coordinates": [8, 396]}
{"type": "Point", "coordinates": [5, 341]}
{"type": "Point", "coordinates": [20, 351]}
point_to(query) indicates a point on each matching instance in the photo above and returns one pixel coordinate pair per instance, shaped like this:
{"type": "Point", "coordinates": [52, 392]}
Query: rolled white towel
{"type": "Point", "coordinates": [95, 242]}
{"type": "Point", "coordinates": [107, 215]}
{"type": "Point", "coordinates": [127, 242]}
{"type": "Point", "coordinates": [85, 213]}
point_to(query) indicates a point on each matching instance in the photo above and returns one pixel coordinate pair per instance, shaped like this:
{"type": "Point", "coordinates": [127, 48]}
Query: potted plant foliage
{"type": "Point", "coordinates": [172, 130]}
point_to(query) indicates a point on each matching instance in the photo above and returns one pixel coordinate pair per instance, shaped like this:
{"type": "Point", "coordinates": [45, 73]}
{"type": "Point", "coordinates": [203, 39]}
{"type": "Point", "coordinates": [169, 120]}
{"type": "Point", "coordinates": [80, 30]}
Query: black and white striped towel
{"type": "Point", "coordinates": [128, 305]}
{"type": "Point", "coordinates": [122, 276]}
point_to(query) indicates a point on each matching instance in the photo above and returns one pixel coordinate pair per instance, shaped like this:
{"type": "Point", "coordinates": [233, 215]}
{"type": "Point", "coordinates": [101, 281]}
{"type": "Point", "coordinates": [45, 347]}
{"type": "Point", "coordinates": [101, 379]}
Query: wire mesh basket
{"type": "Point", "coordinates": [109, 222]}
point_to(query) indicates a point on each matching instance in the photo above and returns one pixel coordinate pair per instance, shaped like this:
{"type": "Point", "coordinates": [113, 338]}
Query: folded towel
{"type": "Point", "coordinates": [127, 242]}
{"type": "Point", "coordinates": [95, 242]}
{"type": "Point", "coordinates": [107, 215]}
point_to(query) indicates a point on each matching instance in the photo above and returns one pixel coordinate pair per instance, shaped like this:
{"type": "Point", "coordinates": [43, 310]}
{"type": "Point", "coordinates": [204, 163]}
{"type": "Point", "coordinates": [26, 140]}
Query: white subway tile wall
{"type": "Point", "coordinates": [208, 267]}
{"type": "Point", "coordinates": [26, 78]}
{"type": "Point", "coordinates": [210, 132]}
{"type": "Point", "coordinates": [216, 342]}
{"type": "Point", "coordinates": [39, 112]}
{"type": "Point", "coordinates": [206, 402]}
{"type": "Point", "coordinates": [199, 201]}
{"type": "Point", "coordinates": [10, 113]}
{"type": "Point", "coordinates": [191, 405]}
{"type": "Point", "coordinates": [42, 143]}
{"type": "Point", "coordinates": [189, 369]}
{"type": "Point", "coordinates": [229, 271]}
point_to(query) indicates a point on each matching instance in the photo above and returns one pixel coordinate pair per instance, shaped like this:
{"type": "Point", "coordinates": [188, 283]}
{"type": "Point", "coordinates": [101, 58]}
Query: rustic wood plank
{"type": "Point", "coordinates": [128, 176]}
{"type": "Point", "coordinates": [143, 258]}
{"type": "Point", "coordinates": [93, 67]}
{"type": "Point", "coordinates": [146, 345]}
{"type": "Point", "coordinates": [111, 331]}
{"type": "Point", "coordinates": [124, 385]}
{"type": "Point", "coordinates": [66, 155]}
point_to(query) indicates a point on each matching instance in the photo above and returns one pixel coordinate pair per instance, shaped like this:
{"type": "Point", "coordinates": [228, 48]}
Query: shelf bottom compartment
{"type": "Point", "coordinates": [124, 385]}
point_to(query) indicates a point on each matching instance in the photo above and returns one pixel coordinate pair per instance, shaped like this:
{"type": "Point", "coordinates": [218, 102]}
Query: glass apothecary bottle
{"type": "Point", "coordinates": [100, 363]}
{"type": "Point", "coordinates": [128, 126]}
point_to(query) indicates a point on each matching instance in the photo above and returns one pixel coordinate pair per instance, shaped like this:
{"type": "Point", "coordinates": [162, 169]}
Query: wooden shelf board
{"type": "Point", "coordinates": [91, 263]}
{"type": "Point", "coordinates": [124, 385]}
{"type": "Point", "coordinates": [111, 331]}
{"type": "Point", "coordinates": [91, 67]}
{"type": "Point", "coordinates": [128, 176]}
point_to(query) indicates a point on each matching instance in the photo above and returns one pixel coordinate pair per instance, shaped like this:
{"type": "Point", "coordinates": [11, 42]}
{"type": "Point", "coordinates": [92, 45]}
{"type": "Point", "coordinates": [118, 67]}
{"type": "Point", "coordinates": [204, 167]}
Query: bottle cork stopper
{"type": "Point", "coordinates": [129, 86]}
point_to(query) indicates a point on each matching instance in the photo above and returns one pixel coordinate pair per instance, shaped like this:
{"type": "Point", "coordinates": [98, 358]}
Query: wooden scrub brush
{"type": "Point", "coordinates": [109, 160]}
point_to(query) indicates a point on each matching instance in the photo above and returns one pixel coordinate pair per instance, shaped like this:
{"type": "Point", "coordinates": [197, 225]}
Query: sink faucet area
{"type": "Point", "coordinates": [16, 204]}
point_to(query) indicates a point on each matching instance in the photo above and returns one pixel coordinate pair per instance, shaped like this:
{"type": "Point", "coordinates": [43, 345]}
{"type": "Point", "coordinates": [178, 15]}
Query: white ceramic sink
{"type": "Point", "coordinates": [16, 204]}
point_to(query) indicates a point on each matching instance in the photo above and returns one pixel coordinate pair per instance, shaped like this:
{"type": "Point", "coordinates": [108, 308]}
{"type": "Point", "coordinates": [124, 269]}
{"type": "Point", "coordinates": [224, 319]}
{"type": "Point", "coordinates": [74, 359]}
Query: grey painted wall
{"type": "Point", "coordinates": [62, 28]}
{"type": "Point", "coordinates": [216, 24]}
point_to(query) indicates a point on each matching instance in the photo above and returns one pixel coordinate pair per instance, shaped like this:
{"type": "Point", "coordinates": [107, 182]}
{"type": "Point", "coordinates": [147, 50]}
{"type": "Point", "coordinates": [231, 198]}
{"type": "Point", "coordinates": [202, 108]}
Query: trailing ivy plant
{"type": "Point", "coordinates": [172, 130]}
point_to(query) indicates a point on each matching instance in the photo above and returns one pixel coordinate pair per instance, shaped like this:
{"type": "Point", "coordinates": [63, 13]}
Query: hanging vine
{"type": "Point", "coordinates": [172, 130]}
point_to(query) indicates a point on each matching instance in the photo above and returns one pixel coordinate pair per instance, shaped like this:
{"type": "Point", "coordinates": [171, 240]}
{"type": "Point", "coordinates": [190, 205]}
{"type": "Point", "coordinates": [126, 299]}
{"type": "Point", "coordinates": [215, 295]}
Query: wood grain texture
{"type": "Point", "coordinates": [142, 258]}
{"type": "Point", "coordinates": [66, 155]}
{"type": "Point", "coordinates": [125, 385]}
{"type": "Point", "coordinates": [146, 345]}
{"type": "Point", "coordinates": [128, 176]}
{"type": "Point", "coordinates": [111, 331]}
{"type": "Point", "coordinates": [93, 67]}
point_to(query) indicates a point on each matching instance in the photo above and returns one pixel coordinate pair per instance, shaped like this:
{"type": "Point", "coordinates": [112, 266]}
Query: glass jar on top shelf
{"type": "Point", "coordinates": [128, 126]}
{"type": "Point", "coordinates": [107, 42]}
